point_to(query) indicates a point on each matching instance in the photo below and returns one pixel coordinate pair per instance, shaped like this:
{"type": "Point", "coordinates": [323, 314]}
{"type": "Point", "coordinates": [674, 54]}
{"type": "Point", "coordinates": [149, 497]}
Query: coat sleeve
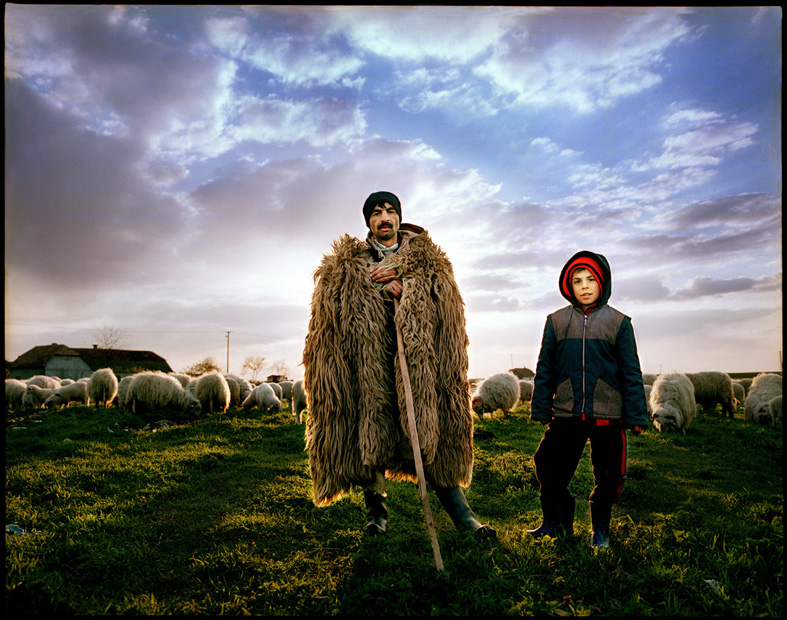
{"type": "Point", "coordinates": [544, 382]}
{"type": "Point", "coordinates": [635, 408]}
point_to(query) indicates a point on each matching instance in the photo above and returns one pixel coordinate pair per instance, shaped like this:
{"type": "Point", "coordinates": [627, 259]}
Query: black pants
{"type": "Point", "coordinates": [558, 454]}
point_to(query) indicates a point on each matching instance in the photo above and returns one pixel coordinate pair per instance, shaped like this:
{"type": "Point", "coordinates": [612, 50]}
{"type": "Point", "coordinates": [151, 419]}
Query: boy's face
{"type": "Point", "coordinates": [586, 288]}
{"type": "Point", "coordinates": [384, 224]}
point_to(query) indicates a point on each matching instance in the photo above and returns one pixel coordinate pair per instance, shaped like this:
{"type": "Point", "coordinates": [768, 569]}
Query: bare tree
{"type": "Point", "coordinates": [280, 368]}
{"type": "Point", "coordinates": [110, 338]}
{"type": "Point", "coordinates": [253, 364]}
{"type": "Point", "coordinates": [201, 367]}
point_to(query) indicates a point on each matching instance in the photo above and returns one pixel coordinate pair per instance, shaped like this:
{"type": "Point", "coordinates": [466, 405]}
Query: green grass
{"type": "Point", "coordinates": [214, 516]}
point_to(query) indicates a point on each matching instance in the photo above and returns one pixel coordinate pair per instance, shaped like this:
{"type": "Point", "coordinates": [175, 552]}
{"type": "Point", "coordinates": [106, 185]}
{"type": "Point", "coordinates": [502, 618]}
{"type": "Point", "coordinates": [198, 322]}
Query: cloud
{"type": "Point", "coordinates": [583, 58]}
{"type": "Point", "coordinates": [303, 58]}
{"type": "Point", "coordinates": [109, 69]}
{"type": "Point", "coordinates": [705, 286]}
{"type": "Point", "coordinates": [316, 122]}
{"type": "Point", "coordinates": [95, 220]}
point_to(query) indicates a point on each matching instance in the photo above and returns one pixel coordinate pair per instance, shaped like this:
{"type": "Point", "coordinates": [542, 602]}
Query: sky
{"type": "Point", "coordinates": [176, 173]}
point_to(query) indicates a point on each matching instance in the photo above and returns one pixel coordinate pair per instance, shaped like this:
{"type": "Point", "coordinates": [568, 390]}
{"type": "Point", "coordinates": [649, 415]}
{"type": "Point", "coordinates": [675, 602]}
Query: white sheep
{"type": "Point", "coordinates": [525, 390]}
{"type": "Point", "coordinates": [75, 392]}
{"type": "Point", "coordinates": [102, 387]}
{"type": "Point", "coordinates": [746, 383]}
{"type": "Point", "coordinates": [150, 391]}
{"type": "Point", "coordinates": [182, 377]}
{"type": "Point", "coordinates": [740, 392]}
{"type": "Point", "coordinates": [48, 383]}
{"type": "Point", "coordinates": [123, 385]}
{"type": "Point", "coordinates": [262, 397]}
{"type": "Point", "coordinates": [764, 388]}
{"type": "Point", "coordinates": [711, 388]}
{"type": "Point", "coordinates": [213, 392]}
{"type": "Point", "coordinates": [277, 390]}
{"type": "Point", "coordinates": [286, 390]}
{"type": "Point", "coordinates": [672, 403]}
{"type": "Point", "coordinates": [14, 391]}
{"type": "Point", "coordinates": [66, 382]}
{"type": "Point", "coordinates": [298, 399]}
{"type": "Point", "coordinates": [235, 400]}
{"type": "Point", "coordinates": [499, 391]}
{"type": "Point", "coordinates": [245, 386]}
{"type": "Point", "coordinates": [35, 396]}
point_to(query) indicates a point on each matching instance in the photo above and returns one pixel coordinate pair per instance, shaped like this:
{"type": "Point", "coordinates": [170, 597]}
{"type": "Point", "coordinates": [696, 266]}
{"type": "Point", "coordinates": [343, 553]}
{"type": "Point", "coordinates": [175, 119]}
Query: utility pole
{"type": "Point", "coordinates": [228, 352]}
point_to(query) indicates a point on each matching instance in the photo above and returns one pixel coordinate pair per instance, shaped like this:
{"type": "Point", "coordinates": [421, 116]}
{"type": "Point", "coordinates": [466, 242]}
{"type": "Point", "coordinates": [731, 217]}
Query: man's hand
{"type": "Point", "coordinates": [388, 276]}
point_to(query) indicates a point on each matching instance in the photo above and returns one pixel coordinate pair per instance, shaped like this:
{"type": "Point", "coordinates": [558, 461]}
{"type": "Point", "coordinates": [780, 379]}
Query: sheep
{"type": "Point", "coordinates": [746, 383]}
{"type": "Point", "coordinates": [712, 387]}
{"type": "Point", "coordinates": [500, 391]}
{"type": "Point", "coordinates": [649, 379]}
{"type": "Point", "coordinates": [123, 385]}
{"type": "Point", "coordinates": [298, 399]}
{"type": "Point", "coordinates": [525, 390]}
{"type": "Point", "coordinates": [48, 383]}
{"type": "Point", "coordinates": [277, 390]}
{"type": "Point", "coordinates": [182, 377]}
{"type": "Point", "coordinates": [235, 400]}
{"type": "Point", "coordinates": [776, 409]}
{"type": "Point", "coordinates": [245, 386]}
{"type": "Point", "coordinates": [648, 389]}
{"type": "Point", "coordinates": [764, 388]}
{"type": "Point", "coordinates": [286, 390]}
{"type": "Point", "coordinates": [213, 392]}
{"type": "Point", "coordinates": [740, 392]}
{"type": "Point", "coordinates": [35, 396]}
{"type": "Point", "coordinates": [14, 391]}
{"type": "Point", "coordinates": [672, 403]}
{"type": "Point", "coordinates": [66, 382]}
{"type": "Point", "coordinates": [102, 387]}
{"type": "Point", "coordinates": [155, 390]}
{"type": "Point", "coordinates": [70, 393]}
{"type": "Point", "coordinates": [263, 397]}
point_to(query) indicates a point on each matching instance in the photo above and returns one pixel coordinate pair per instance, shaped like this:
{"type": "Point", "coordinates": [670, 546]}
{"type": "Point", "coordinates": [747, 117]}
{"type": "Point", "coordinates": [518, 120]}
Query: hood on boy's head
{"type": "Point", "coordinates": [596, 264]}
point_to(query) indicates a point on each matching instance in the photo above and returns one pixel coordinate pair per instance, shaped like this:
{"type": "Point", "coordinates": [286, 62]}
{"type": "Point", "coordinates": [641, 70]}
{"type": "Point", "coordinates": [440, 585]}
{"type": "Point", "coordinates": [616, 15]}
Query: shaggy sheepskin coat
{"type": "Point", "coordinates": [357, 419]}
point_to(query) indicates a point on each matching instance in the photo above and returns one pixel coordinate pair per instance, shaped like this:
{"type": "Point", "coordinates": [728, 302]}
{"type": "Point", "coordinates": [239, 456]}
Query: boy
{"type": "Point", "coordinates": [588, 385]}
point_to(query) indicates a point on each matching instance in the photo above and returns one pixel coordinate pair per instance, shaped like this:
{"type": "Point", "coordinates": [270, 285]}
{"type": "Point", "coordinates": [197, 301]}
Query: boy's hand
{"type": "Point", "coordinates": [637, 430]}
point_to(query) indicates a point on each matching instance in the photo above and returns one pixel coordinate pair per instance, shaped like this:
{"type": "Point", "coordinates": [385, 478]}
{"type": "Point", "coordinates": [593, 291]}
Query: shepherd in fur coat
{"type": "Point", "coordinates": [357, 431]}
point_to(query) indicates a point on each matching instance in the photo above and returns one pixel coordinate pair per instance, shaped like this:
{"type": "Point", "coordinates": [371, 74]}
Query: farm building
{"type": "Point", "coordinates": [59, 360]}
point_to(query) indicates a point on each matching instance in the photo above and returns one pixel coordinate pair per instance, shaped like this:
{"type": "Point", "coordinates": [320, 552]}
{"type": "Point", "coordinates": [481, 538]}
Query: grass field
{"type": "Point", "coordinates": [214, 516]}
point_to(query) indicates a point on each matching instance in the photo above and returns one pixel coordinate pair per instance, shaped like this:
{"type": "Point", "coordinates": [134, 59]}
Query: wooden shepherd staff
{"type": "Point", "coordinates": [419, 466]}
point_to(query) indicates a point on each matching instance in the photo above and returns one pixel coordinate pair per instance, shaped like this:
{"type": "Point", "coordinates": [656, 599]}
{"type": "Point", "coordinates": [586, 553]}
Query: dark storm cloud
{"type": "Point", "coordinates": [78, 212]}
{"type": "Point", "coordinates": [705, 286]}
{"type": "Point", "coordinates": [748, 210]}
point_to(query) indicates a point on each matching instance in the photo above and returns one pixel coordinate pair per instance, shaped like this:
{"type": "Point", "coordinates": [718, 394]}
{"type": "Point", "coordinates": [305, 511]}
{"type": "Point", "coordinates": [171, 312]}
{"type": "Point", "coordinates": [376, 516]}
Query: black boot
{"type": "Point", "coordinates": [558, 518]}
{"type": "Point", "coordinates": [376, 512]}
{"type": "Point", "coordinates": [455, 504]}
{"type": "Point", "coordinates": [600, 516]}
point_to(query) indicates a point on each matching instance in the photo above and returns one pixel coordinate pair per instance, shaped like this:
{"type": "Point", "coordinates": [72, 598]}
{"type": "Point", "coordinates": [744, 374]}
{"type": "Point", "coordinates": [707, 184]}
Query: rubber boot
{"type": "Point", "coordinates": [376, 512]}
{"type": "Point", "coordinates": [600, 516]}
{"type": "Point", "coordinates": [455, 504]}
{"type": "Point", "coordinates": [558, 518]}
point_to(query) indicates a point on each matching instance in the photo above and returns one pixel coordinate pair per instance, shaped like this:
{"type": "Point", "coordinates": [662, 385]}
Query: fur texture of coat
{"type": "Point", "coordinates": [357, 418]}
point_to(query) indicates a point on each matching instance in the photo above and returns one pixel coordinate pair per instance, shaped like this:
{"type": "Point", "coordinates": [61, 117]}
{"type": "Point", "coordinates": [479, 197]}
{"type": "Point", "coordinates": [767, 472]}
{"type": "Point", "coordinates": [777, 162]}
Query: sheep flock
{"type": "Point", "coordinates": [674, 399]}
{"type": "Point", "coordinates": [151, 391]}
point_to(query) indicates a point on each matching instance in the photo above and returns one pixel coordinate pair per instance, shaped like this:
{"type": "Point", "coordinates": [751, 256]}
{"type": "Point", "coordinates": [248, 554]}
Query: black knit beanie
{"type": "Point", "coordinates": [377, 197]}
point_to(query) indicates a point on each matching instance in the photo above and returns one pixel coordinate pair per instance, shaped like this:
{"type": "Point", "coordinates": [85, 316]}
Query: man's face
{"type": "Point", "coordinates": [384, 224]}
